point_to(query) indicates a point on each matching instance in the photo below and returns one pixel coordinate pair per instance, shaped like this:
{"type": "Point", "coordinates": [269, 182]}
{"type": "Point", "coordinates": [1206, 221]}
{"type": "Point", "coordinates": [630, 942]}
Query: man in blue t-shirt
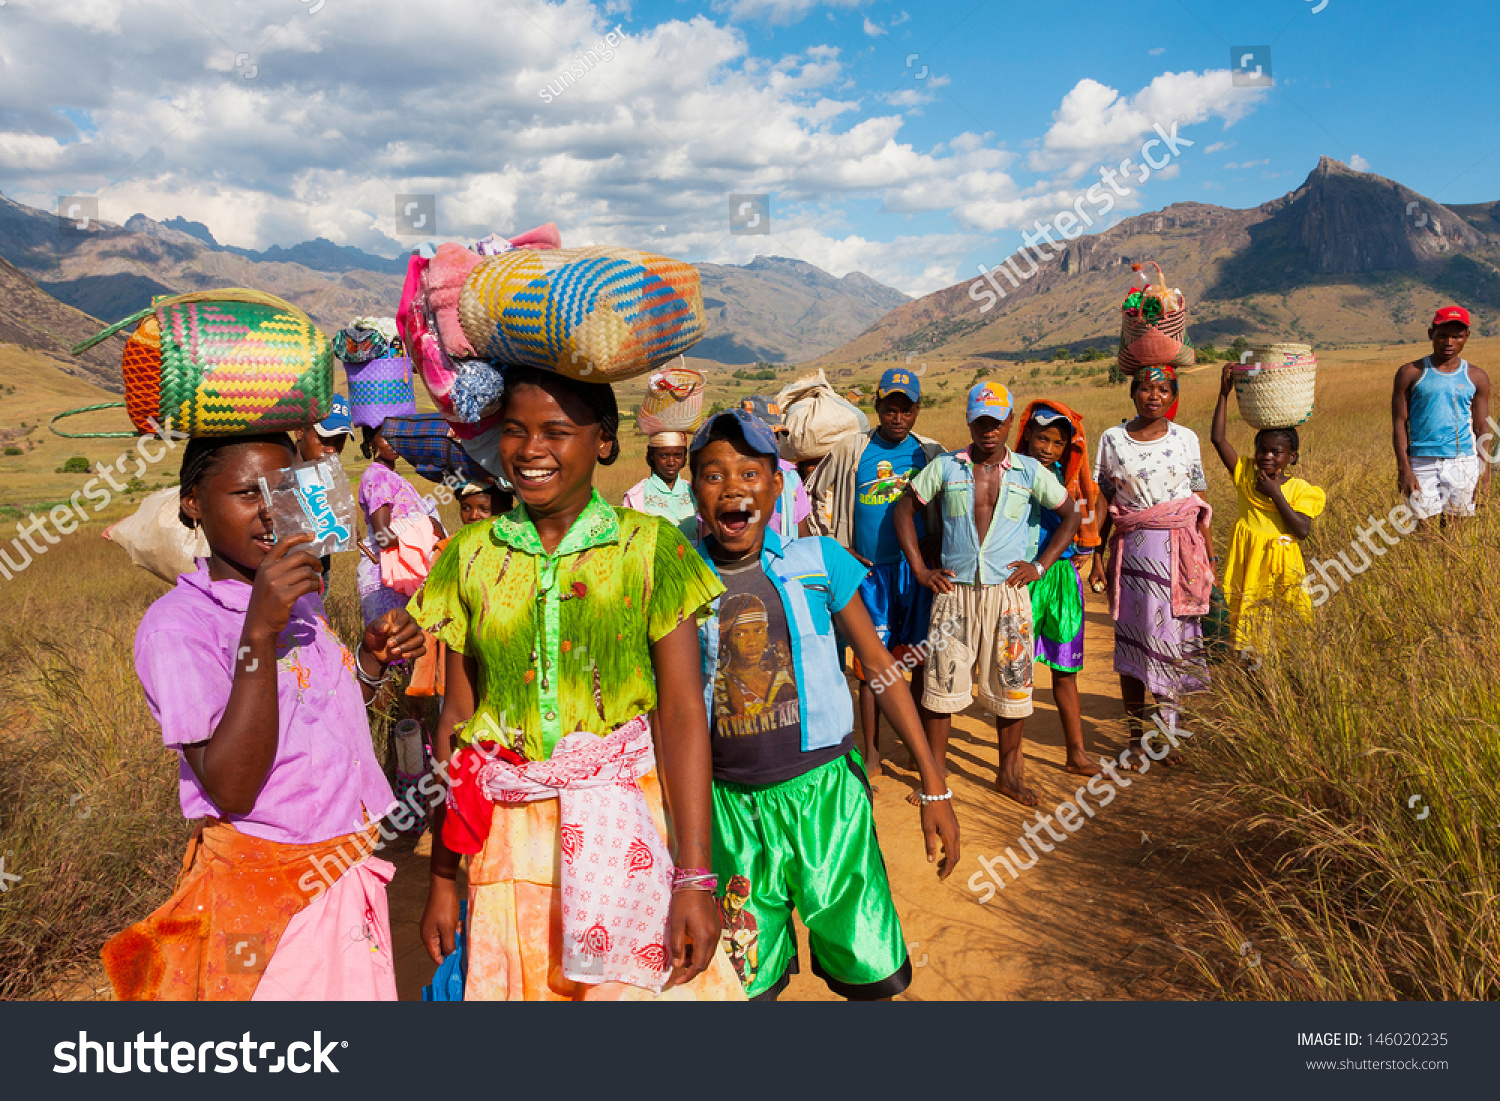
{"type": "Point", "coordinates": [879, 465]}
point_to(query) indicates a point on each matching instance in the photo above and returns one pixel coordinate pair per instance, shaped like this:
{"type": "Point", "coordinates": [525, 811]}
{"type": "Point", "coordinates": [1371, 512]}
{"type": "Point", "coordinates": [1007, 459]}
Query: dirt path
{"type": "Point", "coordinates": [1080, 923]}
{"type": "Point", "coordinates": [1083, 923]}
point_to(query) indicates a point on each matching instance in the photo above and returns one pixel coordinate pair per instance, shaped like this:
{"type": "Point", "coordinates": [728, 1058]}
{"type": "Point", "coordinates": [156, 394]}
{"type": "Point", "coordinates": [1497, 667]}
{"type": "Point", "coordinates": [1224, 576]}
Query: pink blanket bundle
{"type": "Point", "coordinates": [405, 566]}
{"type": "Point", "coordinates": [1192, 562]}
{"type": "Point", "coordinates": [428, 317]}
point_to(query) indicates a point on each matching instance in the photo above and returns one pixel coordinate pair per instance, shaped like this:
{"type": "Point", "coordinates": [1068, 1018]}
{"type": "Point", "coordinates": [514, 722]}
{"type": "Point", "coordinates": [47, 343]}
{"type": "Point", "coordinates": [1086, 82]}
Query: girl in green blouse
{"type": "Point", "coordinates": [566, 614]}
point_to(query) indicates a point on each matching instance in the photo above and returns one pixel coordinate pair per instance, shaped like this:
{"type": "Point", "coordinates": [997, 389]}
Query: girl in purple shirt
{"type": "Point", "coordinates": [267, 709]}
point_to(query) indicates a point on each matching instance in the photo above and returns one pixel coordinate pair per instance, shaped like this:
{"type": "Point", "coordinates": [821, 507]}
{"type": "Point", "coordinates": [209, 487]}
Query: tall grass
{"type": "Point", "coordinates": [1360, 760]}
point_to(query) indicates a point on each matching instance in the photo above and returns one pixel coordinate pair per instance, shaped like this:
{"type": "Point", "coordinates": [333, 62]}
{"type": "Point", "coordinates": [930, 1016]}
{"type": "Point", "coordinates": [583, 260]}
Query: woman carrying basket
{"type": "Point", "coordinates": [1160, 573]}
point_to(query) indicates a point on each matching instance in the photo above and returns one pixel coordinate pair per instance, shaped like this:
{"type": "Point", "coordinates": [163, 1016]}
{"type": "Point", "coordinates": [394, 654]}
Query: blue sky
{"type": "Point", "coordinates": [286, 119]}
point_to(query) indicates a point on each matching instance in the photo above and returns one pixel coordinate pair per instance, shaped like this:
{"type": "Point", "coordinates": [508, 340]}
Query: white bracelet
{"type": "Point", "coordinates": [935, 798]}
{"type": "Point", "coordinates": [365, 678]}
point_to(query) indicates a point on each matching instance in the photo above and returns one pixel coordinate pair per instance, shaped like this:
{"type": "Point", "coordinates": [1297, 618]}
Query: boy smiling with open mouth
{"type": "Point", "coordinates": [792, 806]}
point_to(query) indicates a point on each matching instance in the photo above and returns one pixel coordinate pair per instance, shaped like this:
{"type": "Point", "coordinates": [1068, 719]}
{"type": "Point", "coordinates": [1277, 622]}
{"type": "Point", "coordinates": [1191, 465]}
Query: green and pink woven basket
{"type": "Point", "coordinates": [221, 363]}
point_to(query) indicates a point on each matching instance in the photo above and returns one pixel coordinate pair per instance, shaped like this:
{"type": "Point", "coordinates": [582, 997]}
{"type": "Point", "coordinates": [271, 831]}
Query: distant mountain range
{"type": "Point", "coordinates": [772, 309]}
{"type": "Point", "coordinates": [32, 318]}
{"type": "Point", "coordinates": [1347, 258]}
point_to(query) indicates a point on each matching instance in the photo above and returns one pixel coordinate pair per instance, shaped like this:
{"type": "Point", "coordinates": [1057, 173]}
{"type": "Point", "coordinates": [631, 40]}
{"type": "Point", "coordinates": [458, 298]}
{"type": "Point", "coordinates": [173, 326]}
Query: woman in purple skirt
{"type": "Point", "coordinates": [1150, 472]}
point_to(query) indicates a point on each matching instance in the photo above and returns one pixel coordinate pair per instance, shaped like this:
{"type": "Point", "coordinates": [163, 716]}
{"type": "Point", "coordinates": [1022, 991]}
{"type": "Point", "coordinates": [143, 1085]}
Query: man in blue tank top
{"type": "Point", "coordinates": [1438, 409]}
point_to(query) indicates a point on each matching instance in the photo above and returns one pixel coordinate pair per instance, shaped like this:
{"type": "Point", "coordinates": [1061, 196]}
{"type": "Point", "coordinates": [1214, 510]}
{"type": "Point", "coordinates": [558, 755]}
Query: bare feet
{"type": "Point", "coordinates": [1014, 789]}
{"type": "Point", "coordinates": [914, 798]}
{"type": "Point", "coordinates": [1082, 767]}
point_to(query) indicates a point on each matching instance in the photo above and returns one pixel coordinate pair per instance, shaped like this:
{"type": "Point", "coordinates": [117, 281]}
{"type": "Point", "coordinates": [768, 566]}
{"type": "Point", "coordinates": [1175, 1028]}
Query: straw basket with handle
{"type": "Point", "coordinates": [1275, 385]}
{"type": "Point", "coordinates": [673, 401]}
{"type": "Point", "coordinates": [1153, 327]}
{"type": "Point", "coordinates": [221, 363]}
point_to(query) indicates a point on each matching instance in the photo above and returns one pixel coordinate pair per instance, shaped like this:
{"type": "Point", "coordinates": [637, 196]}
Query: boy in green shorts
{"type": "Point", "coordinates": [793, 822]}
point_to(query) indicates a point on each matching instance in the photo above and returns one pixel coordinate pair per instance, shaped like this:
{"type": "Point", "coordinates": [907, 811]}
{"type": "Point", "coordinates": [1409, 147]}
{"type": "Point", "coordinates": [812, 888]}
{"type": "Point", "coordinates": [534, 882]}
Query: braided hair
{"type": "Point", "coordinates": [204, 454]}
{"type": "Point", "coordinates": [598, 397]}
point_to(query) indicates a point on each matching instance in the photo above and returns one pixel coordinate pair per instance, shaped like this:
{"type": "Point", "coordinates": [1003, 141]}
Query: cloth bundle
{"type": "Point", "coordinates": [156, 539]}
{"type": "Point", "coordinates": [222, 363]}
{"type": "Point", "coordinates": [816, 417]}
{"type": "Point", "coordinates": [464, 387]}
{"type": "Point", "coordinates": [425, 441]}
{"type": "Point", "coordinates": [1153, 327]}
{"type": "Point", "coordinates": [616, 868]}
{"type": "Point", "coordinates": [356, 345]}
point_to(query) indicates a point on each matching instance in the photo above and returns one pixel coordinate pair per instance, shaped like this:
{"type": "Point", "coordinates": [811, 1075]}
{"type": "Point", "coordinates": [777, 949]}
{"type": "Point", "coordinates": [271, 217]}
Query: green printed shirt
{"type": "Point", "coordinates": [563, 641]}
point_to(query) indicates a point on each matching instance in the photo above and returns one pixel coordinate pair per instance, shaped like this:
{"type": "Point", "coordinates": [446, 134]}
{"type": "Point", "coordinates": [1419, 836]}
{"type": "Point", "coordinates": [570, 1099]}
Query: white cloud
{"type": "Point", "coordinates": [873, 29]}
{"type": "Point", "coordinates": [778, 11]}
{"type": "Point", "coordinates": [1229, 166]}
{"type": "Point", "coordinates": [1157, 51]}
{"type": "Point", "coordinates": [1220, 145]}
{"type": "Point", "coordinates": [1095, 123]}
{"type": "Point", "coordinates": [1359, 164]}
{"type": "Point", "coordinates": [902, 18]}
{"type": "Point", "coordinates": [638, 142]}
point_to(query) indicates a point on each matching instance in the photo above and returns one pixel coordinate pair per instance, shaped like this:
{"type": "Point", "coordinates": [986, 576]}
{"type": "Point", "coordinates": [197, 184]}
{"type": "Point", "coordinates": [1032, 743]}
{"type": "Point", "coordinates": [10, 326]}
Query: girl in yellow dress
{"type": "Point", "coordinates": [1276, 512]}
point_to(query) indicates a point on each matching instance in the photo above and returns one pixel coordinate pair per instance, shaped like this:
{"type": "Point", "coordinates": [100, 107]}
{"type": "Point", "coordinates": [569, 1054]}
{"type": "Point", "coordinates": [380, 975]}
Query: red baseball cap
{"type": "Point", "coordinates": [1451, 313]}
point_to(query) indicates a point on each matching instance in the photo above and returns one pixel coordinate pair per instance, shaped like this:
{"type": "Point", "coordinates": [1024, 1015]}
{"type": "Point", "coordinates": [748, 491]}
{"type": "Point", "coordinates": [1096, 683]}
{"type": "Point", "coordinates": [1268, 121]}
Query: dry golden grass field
{"type": "Point", "coordinates": [1310, 778]}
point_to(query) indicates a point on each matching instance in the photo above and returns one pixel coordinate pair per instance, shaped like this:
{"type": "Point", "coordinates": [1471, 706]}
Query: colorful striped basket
{"type": "Point", "coordinates": [1275, 385]}
{"type": "Point", "coordinates": [379, 389]}
{"type": "Point", "coordinates": [598, 314]}
{"type": "Point", "coordinates": [223, 363]}
{"type": "Point", "coordinates": [673, 401]}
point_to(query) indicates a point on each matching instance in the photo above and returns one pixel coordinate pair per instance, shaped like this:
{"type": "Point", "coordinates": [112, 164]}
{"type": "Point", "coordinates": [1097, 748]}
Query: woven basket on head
{"type": "Point", "coordinates": [381, 388]}
{"type": "Point", "coordinates": [599, 314]}
{"type": "Point", "coordinates": [1160, 342]}
{"type": "Point", "coordinates": [673, 401]}
{"type": "Point", "coordinates": [1275, 385]}
{"type": "Point", "coordinates": [223, 362]}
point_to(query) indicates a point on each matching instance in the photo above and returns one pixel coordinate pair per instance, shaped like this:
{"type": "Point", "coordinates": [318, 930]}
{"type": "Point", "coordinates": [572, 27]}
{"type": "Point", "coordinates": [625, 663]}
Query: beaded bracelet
{"type": "Point", "coordinates": [694, 879]}
{"type": "Point", "coordinates": [926, 799]}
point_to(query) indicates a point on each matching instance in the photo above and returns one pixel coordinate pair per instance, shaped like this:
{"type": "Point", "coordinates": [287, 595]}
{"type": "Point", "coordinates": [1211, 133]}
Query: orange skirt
{"type": "Point", "coordinates": [514, 929]}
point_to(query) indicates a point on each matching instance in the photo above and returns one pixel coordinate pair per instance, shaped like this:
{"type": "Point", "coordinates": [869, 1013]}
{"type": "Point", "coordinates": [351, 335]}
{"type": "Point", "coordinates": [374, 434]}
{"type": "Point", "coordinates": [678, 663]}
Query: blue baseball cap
{"type": "Point", "coordinates": [766, 410]}
{"type": "Point", "coordinates": [339, 422]}
{"type": "Point", "coordinates": [899, 380]}
{"type": "Point", "coordinates": [989, 399]}
{"type": "Point", "coordinates": [757, 433]}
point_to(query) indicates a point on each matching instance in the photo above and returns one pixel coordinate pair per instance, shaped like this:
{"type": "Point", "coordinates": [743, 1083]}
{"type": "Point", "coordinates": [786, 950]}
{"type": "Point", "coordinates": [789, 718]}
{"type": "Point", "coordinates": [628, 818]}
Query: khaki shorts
{"type": "Point", "coordinates": [990, 624]}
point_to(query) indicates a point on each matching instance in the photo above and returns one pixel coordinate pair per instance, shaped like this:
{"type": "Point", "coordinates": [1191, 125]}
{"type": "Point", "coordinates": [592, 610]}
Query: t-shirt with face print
{"type": "Point", "coordinates": [756, 726]}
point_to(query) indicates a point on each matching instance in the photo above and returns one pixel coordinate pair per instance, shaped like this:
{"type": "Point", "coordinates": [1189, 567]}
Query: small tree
{"type": "Point", "coordinates": [1239, 347]}
{"type": "Point", "coordinates": [75, 465]}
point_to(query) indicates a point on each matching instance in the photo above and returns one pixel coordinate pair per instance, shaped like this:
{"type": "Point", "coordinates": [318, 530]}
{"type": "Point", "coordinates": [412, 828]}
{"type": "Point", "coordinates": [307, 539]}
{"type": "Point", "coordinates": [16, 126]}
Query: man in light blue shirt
{"type": "Point", "coordinates": [982, 611]}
